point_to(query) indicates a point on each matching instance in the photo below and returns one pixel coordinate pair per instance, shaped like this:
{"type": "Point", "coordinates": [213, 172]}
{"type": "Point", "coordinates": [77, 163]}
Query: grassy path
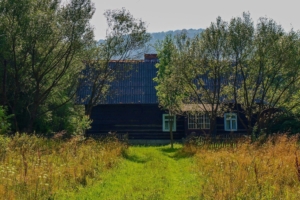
{"type": "Point", "coordinates": [147, 173]}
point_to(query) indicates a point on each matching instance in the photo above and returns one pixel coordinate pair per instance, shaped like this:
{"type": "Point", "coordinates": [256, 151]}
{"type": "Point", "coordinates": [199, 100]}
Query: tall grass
{"type": "Point", "coordinates": [263, 170]}
{"type": "Point", "coordinates": [36, 168]}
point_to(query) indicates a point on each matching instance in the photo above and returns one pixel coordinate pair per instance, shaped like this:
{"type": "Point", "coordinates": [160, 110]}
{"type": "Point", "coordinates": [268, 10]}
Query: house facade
{"type": "Point", "coordinates": [132, 108]}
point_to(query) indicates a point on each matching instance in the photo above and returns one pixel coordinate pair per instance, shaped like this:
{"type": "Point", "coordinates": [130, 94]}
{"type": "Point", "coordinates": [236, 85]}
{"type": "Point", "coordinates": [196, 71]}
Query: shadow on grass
{"type": "Point", "coordinates": [176, 153]}
{"type": "Point", "coordinates": [169, 150]}
{"type": "Point", "coordinates": [134, 158]}
{"type": "Point", "coordinates": [181, 155]}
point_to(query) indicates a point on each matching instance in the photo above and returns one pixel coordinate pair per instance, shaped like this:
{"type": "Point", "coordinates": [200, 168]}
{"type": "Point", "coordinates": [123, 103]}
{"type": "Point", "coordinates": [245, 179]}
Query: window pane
{"type": "Point", "coordinates": [207, 120]}
{"type": "Point", "coordinates": [207, 126]}
{"type": "Point", "coordinates": [201, 126]}
{"type": "Point", "coordinates": [234, 124]}
{"type": "Point", "coordinates": [227, 124]}
{"type": "Point", "coordinates": [173, 128]}
{"type": "Point", "coordinates": [191, 121]}
{"type": "Point", "coordinates": [193, 125]}
{"type": "Point", "coordinates": [198, 121]}
{"type": "Point", "coordinates": [167, 125]}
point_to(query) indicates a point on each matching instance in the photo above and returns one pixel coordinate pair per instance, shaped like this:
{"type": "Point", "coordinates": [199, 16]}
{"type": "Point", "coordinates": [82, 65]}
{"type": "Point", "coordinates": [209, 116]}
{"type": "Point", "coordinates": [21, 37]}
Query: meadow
{"type": "Point", "coordinates": [267, 169]}
{"type": "Point", "coordinates": [33, 167]}
{"type": "Point", "coordinates": [38, 168]}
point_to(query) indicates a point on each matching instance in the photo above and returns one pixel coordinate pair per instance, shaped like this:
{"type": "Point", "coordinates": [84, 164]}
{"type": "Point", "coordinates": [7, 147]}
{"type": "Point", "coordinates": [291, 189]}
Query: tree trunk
{"type": "Point", "coordinates": [171, 130]}
{"type": "Point", "coordinates": [250, 129]}
{"type": "Point", "coordinates": [4, 83]}
{"type": "Point", "coordinates": [213, 127]}
{"type": "Point", "coordinates": [32, 120]}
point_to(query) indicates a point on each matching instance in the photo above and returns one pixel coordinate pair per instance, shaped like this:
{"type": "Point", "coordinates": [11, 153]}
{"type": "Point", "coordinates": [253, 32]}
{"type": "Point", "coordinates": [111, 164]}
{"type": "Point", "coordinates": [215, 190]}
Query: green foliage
{"type": "Point", "coordinates": [170, 91]}
{"type": "Point", "coordinates": [169, 88]}
{"type": "Point", "coordinates": [80, 125]}
{"type": "Point", "coordinates": [256, 68]}
{"type": "Point", "coordinates": [41, 51]}
{"type": "Point", "coordinates": [286, 123]}
{"type": "Point", "coordinates": [126, 38]}
{"type": "Point", "coordinates": [4, 121]}
{"type": "Point", "coordinates": [124, 34]}
{"type": "Point", "coordinates": [69, 118]}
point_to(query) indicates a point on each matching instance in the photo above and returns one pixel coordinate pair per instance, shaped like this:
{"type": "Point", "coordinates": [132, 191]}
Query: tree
{"type": "Point", "coordinates": [235, 67]}
{"type": "Point", "coordinates": [42, 41]}
{"type": "Point", "coordinates": [266, 66]}
{"type": "Point", "coordinates": [205, 75]}
{"type": "Point", "coordinates": [169, 87]}
{"type": "Point", "coordinates": [124, 35]}
{"type": "Point", "coordinates": [240, 44]}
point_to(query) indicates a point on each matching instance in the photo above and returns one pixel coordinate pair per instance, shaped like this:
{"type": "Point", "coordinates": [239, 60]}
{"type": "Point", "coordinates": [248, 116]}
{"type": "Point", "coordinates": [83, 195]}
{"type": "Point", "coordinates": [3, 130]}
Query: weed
{"type": "Point", "coordinates": [33, 167]}
{"type": "Point", "coordinates": [250, 170]}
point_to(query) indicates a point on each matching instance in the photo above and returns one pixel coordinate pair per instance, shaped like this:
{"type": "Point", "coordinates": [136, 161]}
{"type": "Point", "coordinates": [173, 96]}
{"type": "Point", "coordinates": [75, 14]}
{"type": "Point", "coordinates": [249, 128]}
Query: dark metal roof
{"type": "Point", "coordinates": [135, 86]}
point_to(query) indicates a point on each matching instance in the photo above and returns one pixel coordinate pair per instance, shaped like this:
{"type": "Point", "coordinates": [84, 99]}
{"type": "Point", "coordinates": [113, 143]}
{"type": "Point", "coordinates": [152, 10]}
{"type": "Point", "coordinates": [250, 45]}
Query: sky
{"type": "Point", "coordinates": [165, 15]}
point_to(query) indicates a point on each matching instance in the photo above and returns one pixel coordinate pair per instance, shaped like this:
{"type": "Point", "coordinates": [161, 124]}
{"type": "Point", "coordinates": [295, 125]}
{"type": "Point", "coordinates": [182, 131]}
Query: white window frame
{"type": "Point", "coordinates": [164, 120]}
{"type": "Point", "coordinates": [200, 121]}
{"type": "Point", "coordinates": [227, 117]}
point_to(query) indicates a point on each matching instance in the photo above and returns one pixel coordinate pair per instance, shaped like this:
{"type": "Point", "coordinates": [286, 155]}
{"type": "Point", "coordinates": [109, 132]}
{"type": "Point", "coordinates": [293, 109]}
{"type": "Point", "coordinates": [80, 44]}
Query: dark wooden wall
{"type": "Point", "coordinates": [140, 121]}
{"type": "Point", "coordinates": [220, 126]}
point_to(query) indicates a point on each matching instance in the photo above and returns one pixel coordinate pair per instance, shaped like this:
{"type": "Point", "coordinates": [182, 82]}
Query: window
{"type": "Point", "coordinates": [230, 122]}
{"type": "Point", "coordinates": [167, 122]}
{"type": "Point", "coordinates": [198, 121]}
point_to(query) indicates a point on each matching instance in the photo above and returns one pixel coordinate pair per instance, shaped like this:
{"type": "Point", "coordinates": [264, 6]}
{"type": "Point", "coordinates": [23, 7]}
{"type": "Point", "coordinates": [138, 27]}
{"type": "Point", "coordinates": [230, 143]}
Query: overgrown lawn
{"type": "Point", "coordinates": [39, 168]}
{"type": "Point", "coordinates": [147, 173]}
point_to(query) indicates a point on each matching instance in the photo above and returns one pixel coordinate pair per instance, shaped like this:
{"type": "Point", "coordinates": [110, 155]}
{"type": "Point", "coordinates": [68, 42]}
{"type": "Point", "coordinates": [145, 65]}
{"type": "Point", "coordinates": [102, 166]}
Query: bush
{"type": "Point", "coordinates": [4, 121]}
{"type": "Point", "coordinates": [286, 123]}
{"type": "Point", "coordinates": [69, 119]}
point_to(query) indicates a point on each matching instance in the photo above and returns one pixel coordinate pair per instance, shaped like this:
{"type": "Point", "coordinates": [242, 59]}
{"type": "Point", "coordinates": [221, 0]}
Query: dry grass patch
{"type": "Point", "coordinates": [37, 168]}
{"type": "Point", "coordinates": [250, 171]}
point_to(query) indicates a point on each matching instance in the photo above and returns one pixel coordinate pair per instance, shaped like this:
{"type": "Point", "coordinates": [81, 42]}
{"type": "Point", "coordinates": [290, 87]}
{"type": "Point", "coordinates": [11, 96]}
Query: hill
{"type": "Point", "coordinates": [161, 35]}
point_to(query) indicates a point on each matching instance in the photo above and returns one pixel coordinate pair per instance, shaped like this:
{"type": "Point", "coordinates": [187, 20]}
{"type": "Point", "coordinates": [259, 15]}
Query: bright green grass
{"type": "Point", "coordinates": [146, 173]}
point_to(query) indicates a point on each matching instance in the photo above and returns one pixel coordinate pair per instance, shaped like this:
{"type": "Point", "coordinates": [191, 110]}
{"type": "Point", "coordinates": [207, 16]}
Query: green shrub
{"type": "Point", "coordinates": [4, 121]}
{"type": "Point", "coordinates": [286, 123]}
{"type": "Point", "coordinates": [69, 119]}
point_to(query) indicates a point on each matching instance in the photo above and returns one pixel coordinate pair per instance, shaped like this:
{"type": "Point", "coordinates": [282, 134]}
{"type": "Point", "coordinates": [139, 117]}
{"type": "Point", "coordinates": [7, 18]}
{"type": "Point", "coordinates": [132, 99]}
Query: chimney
{"type": "Point", "coordinates": [150, 58]}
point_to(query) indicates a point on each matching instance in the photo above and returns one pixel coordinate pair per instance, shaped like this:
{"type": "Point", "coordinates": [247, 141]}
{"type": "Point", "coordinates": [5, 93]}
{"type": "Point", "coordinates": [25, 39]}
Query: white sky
{"type": "Point", "coordinates": [165, 15]}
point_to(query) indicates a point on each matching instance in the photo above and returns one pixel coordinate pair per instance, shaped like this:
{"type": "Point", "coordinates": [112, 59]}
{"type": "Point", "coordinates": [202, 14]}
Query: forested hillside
{"type": "Point", "coordinates": [159, 36]}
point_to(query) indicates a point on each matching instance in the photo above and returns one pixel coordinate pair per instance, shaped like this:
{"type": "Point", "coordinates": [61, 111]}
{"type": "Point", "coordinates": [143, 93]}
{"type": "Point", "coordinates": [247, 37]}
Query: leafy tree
{"type": "Point", "coordinates": [266, 66]}
{"type": "Point", "coordinates": [240, 44]}
{"type": "Point", "coordinates": [125, 35]}
{"type": "Point", "coordinates": [236, 66]}
{"type": "Point", "coordinates": [169, 90]}
{"type": "Point", "coordinates": [206, 74]}
{"type": "Point", "coordinates": [42, 42]}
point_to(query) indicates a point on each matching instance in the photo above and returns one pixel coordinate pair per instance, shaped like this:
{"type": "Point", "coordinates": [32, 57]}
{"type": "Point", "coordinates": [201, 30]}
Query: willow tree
{"type": "Point", "coordinates": [126, 37]}
{"type": "Point", "coordinates": [205, 77]}
{"type": "Point", "coordinates": [265, 66]}
{"type": "Point", "coordinates": [42, 44]}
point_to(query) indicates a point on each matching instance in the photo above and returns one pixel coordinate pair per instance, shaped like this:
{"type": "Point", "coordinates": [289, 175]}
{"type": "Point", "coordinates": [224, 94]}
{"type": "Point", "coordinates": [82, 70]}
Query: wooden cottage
{"type": "Point", "coordinates": [133, 108]}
